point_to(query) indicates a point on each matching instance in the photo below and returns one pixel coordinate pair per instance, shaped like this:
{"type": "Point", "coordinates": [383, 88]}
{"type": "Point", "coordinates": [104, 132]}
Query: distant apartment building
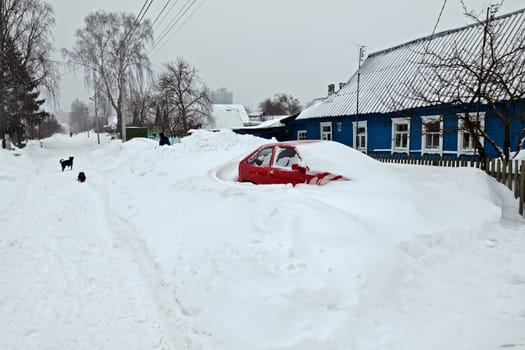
{"type": "Point", "coordinates": [222, 96]}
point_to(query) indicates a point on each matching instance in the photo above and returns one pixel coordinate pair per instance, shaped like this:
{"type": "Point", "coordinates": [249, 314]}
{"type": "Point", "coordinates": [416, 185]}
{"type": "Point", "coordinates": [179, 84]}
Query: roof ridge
{"type": "Point", "coordinates": [443, 33]}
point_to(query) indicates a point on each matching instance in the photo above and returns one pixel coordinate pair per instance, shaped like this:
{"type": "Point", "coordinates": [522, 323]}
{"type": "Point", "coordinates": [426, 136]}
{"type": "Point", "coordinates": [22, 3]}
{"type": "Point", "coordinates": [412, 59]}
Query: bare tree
{"type": "Point", "coordinates": [183, 100]}
{"type": "Point", "coordinates": [79, 117]}
{"type": "Point", "coordinates": [114, 47]}
{"type": "Point", "coordinates": [142, 105]}
{"type": "Point", "coordinates": [280, 104]}
{"type": "Point", "coordinates": [480, 76]}
{"type": "Point", "coordinates": [25, 64]}
{"type": "Point", "coordinates": [29, 23]}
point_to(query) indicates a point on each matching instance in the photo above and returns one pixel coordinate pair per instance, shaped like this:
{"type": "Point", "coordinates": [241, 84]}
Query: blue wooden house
{"type": "Point", "coordinates": [394, 104]}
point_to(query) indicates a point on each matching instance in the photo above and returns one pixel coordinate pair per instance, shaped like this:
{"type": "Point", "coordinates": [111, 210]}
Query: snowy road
{"type": "Point", "coordinates": [71, 274]}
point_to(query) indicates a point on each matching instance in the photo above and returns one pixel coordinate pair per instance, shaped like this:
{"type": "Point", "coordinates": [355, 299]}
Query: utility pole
{"type": "Point", "coordinates": [121, 88]}
{"type": "Point", "coordinates": [480, 83]}
{"type": "Point", "coordinates": [3, 121]}
{"type": "Point", "coordinates": [96, 116]}
{"type": "Point", "coordinates": [361, 58]}
{"type": "Point", "coordinates": [94, 99]}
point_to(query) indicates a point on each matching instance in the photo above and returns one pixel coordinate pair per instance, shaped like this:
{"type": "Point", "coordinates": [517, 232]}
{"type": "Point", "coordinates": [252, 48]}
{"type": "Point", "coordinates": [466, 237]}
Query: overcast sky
{"type": "Point", "coordinates": [259, 48]}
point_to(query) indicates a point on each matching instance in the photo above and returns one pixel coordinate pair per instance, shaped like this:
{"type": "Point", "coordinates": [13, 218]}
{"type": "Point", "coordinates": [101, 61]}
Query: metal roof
{"type": "Point", "coordinates": [389, 77]}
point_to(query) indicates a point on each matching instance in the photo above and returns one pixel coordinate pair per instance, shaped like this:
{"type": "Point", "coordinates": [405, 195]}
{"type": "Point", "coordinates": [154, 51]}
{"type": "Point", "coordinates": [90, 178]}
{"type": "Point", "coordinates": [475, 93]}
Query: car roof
{"type": "Point", "coordinates": [291, 143]}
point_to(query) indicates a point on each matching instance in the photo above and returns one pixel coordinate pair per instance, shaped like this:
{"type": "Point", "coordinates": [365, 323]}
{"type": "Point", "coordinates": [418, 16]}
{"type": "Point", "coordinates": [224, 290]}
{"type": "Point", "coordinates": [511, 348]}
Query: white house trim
{"type": "Point", "coordinates": [396, 122]}
{"type": "Point", "coordinates": [364, 145]}
{"type": "Point", "coordinates": [302, 134]}
{"type": "Point", "coordinates": [424, 135]}
{"type": "Point", "coordinates": [462, 134]}
{"type": "Point", "coordinates": [326, 131]}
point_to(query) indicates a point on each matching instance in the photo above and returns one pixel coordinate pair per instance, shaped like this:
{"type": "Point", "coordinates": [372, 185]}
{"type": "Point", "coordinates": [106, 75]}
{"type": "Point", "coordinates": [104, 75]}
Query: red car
{"type": "Point", "coordinates": [282, 163]}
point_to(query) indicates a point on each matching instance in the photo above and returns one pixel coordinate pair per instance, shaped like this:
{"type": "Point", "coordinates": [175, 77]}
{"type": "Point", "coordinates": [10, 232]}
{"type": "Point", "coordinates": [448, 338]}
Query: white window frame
{"type": "Point", "coordinates": [302, 132]}
{"type": "Point", "coordinates": [400, 121]}
{"type": "Point", "coordinates": [323, 133]}
{"type": "Point", "coordinates": [461, 134]}
{"type": "Point", "coordinates": [361, 124]}
{"type": "Point", "coordinates": [427, 119]}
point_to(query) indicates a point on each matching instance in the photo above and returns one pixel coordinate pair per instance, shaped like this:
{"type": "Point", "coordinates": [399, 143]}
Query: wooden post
{"type": "Point", "coordinates": [522, 186]}
{"type": "Point", "coordinates": [504, 173]}
{"type": "Point", "coordinates": [516, 178]}
{"type": "Point", "coordinates": [509, 175]}
{"type": "Point", "coordinates": [498, 171]}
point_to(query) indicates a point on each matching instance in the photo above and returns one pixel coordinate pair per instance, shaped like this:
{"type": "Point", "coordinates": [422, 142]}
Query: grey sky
{"type": "Point", "coordinates": [259, 48]}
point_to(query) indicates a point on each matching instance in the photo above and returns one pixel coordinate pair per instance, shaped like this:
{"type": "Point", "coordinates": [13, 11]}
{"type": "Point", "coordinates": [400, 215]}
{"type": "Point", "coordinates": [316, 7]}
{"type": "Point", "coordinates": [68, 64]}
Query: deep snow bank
{"type": "Point", "coordinates": [387, 260]}
{"type": "Point", "coordinates": [265, 267]}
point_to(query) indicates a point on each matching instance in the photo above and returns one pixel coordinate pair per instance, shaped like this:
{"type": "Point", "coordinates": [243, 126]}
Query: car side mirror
{"type": "Point", "coordinates": [297, 167]}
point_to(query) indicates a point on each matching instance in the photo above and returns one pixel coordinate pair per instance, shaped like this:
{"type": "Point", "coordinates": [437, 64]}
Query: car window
{"type": "Point", "coordinates": [261, 158]}
{"type": "Point", "coordinates": [285, 157]}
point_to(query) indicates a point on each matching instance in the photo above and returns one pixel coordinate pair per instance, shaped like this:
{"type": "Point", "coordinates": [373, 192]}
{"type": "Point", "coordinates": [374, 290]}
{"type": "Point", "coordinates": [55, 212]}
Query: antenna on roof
{"type": "Point", "coordinates": [362, 54]}
{"type": "Point", "coordinates": [357, 142]}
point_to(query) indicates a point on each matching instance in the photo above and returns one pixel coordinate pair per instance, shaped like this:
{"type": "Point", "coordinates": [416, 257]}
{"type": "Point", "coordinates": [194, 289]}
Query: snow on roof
{"type": "Point", "coordinates": [274, 122]}
{"type": "Point", "coordinates": [387, 77]}
{"type": "Point", "coordinates": [228, 116]}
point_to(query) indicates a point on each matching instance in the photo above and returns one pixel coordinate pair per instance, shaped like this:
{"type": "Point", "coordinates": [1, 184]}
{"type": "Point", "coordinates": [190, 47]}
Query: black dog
{"type": "Point", "coordinates": [81, 177]}
{"type": "Point", "coordinates": [67, 163]}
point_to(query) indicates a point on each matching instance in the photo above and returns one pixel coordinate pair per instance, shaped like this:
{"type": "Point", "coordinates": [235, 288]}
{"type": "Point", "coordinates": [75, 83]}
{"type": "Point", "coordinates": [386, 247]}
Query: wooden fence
{"type": "Point", "coordinates": [510, 173]}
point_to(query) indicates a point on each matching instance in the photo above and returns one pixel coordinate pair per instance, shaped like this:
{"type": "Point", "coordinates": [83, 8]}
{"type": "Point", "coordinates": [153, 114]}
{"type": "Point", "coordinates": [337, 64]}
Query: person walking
{"type": "Point", "coordinates": [164, 140]}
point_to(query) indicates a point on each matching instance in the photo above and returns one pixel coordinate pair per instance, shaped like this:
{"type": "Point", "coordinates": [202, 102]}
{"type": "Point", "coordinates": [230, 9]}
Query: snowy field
{"type": "Point", "coordinates": [161, 249]}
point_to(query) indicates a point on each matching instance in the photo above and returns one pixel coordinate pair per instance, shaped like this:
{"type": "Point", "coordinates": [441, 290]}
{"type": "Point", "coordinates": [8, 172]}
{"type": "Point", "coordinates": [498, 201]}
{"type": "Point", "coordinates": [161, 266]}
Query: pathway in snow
{"type": "Point", "coordinates": [72, 276]}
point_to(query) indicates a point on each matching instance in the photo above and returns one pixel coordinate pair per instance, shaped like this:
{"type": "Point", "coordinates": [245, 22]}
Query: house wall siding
{"type": "Point", "coordinates": [379, 130]}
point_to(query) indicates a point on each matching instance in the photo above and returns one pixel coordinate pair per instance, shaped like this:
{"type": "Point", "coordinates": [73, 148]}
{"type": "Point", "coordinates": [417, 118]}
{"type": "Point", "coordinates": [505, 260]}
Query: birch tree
{"type": "Point", "coordinates": [114, 46]}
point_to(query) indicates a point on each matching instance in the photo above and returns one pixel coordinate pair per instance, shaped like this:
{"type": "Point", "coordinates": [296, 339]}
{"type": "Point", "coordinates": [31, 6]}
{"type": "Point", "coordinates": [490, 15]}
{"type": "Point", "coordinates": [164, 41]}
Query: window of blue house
{"type": "Point", "coordinates": [400, 135]}
{"type": "Point", "coordinates": [326, 131]}
{"type": "Point", "coordinates": [360, 135]}
{"type": "Point", "coordinates": [466, 136]}
{"type": "Point", "coordinates": [301, 134]}
{"type": "Point", "coordinates": [431, 135]}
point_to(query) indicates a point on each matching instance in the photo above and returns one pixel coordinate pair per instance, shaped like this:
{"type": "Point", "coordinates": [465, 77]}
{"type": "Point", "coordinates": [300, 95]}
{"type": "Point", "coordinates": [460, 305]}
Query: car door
{"type": "Point", "coordinates": [281, 171]}
{"type": "Point", "coordinates": [257, 167]}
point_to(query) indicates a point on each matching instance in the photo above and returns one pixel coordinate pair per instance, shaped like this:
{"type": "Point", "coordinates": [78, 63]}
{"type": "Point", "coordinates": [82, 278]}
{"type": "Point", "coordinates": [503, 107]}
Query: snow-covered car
{"type": "Point", "coordinates": [287, 163]}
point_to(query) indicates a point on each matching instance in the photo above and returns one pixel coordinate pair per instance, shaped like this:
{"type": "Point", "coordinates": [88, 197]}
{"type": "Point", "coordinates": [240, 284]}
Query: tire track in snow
{"type": "Point", "coordinates": [63, 283]}
{"type": "Point", "coordinates": [177, 330]}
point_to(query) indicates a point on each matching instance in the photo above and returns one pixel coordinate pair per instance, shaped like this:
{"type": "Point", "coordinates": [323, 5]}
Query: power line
{"type": "Point", "coordinates": [187, 19]}
{"type": "Point", "coordinates": [144, 14]}
{"type": "Point", "coordinates": [439, 18]}
{"type": "Point", "coordinates": [162, 11]}
{"type": "Point", "coordinates": [176, 20]}
{"type": "Point", "coordinates": [140, 16]}
{"type": "Point", "coordinates": [434, 30]}
{"type": "Point", "coordinates": [169, 27]}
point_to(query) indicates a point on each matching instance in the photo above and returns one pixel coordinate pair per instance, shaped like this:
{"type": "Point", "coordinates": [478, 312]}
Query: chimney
{"type": "Point", "coordinates": [341, 85]}
{"type": "Point", "coordinates": [331, 89]}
